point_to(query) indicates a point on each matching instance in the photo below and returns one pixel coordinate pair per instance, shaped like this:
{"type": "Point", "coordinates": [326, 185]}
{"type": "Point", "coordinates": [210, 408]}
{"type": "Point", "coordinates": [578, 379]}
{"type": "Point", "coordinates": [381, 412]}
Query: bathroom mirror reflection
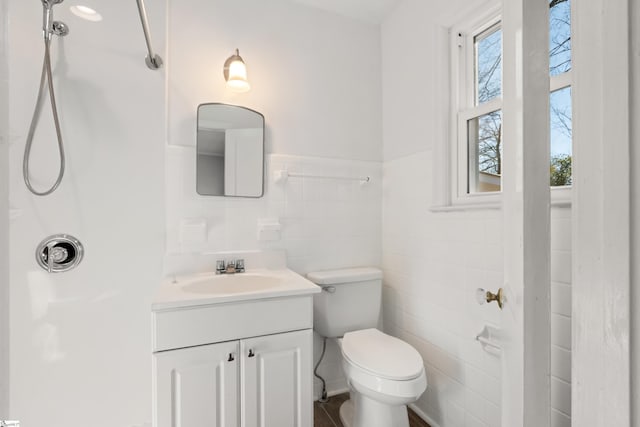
{"type": "Point", "coordinates": [229, 151]}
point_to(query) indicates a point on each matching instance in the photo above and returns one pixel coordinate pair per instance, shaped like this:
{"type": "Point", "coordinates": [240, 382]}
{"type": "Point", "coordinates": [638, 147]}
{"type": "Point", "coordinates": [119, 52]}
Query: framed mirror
{"type": "Point", "coordinates": [229, 151]}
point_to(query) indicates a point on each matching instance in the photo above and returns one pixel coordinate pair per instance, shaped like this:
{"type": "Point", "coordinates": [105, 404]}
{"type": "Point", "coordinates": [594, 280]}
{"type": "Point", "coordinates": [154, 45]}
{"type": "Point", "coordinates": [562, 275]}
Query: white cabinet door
{"type": "Point", "coordinates": [197, 386]}
{"type": "Point", "coordinates": [276, 389]}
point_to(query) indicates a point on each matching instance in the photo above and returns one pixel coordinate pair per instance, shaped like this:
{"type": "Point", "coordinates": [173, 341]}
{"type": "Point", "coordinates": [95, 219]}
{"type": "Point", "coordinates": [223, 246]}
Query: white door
{"type": "Point", "coordinates": [525, 321]}
{"type": "Point", "coordinates": [197, 386]}
{"type": "Point", "coordinates": [276, 388]}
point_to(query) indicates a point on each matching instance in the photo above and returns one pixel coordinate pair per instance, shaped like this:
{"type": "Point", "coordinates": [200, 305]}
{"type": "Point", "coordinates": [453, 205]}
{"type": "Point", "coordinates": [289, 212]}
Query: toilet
{"type": "Point", "coordinates": [384, 373]}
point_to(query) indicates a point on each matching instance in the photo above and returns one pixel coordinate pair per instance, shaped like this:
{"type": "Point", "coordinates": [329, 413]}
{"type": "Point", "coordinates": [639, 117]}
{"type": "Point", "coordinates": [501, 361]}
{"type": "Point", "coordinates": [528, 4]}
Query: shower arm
{"type": "Point", "coordinates": [152, 60]}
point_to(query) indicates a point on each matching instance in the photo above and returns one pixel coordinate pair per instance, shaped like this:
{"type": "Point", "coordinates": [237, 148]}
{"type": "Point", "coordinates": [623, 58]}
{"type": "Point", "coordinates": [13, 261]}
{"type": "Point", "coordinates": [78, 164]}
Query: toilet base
{"type": "Point", "coordinates": [362, 411]}
{"type": "Point", "coordinates": [346, 413]}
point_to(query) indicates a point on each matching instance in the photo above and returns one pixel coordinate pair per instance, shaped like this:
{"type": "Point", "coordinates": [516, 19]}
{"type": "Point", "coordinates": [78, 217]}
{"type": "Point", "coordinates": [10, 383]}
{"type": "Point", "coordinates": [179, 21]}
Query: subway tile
{"type": "Point", "coordinates": [447, 364]}
{"type": "Point", "coordinates": [475, 405]}
{"type": "Point", "coordinates": [482, 384]}
{"type": "Point", "coordinates": [561, 234]}
{"type": "Point", "coordinates": [561, 266]}
{"type": "Point", "coordinates": [471, 421]}
{"type": "Point", "coordinates": [454, 415]}
{"type": "Point", "coordinates": [561, 363]}
{"type": "Point", "coordinates": [558, 419]}
{"type": "Point", "coordinates": [561, 331]}
{"type": "Point", "coordinates": [561, 298]}
{"type": "Point", "coordinates": [561, 396]}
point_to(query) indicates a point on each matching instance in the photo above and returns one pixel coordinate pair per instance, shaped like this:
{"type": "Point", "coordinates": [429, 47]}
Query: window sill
{"type": "Point", "coordinates": [463, 207]}
{"type": "Point", "coordinates": [560, 197]}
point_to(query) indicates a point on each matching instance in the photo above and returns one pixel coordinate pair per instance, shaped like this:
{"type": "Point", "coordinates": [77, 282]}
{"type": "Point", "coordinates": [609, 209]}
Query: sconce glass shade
{"type": "Point", "coordinates": [235, 73]}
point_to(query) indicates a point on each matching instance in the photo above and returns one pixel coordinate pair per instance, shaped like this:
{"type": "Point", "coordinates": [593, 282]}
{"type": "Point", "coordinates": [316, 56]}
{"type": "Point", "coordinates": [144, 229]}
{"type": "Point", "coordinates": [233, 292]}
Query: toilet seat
{"type": "Point", "coordinates": [382, 355]}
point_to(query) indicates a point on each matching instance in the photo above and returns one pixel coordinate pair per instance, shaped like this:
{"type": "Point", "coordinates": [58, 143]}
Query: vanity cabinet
{"type": "Point", "coordinates": [239, 364]}
{"type": "Point", "coordinates": [256, 382]}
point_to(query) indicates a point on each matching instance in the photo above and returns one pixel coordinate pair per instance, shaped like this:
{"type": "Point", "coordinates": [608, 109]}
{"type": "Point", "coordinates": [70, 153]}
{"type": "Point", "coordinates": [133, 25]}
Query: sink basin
{"type": "Point", "coordinates": [210, 288]}
{"type": "Point", "coordinates": [232, 284]}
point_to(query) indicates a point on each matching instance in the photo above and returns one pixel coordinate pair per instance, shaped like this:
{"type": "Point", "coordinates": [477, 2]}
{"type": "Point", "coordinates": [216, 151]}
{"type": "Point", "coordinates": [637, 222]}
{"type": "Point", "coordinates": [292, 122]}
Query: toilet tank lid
{"type": "Point", "coordinates": [344, 275]}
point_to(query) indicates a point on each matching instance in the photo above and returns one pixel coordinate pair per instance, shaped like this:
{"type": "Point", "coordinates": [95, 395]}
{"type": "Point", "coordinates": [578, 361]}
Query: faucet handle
{"type": "Point", "coordinates": [220, 267]}
{"type": "Point", "coordinates": [240, 265]}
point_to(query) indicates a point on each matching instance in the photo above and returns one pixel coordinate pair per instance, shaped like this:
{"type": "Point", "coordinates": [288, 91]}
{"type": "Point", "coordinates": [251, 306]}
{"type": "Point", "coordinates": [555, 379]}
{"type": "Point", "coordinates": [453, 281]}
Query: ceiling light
{"type": "Point", "coordinates": [86, 12]}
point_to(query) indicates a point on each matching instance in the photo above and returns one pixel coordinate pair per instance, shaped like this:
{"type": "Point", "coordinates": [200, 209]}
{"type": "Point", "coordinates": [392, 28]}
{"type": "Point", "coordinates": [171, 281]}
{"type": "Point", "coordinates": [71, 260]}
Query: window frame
{"type": "Point", "coordinates": [463, 108]}
{"type": "Point", "coordinates": [462, 97]}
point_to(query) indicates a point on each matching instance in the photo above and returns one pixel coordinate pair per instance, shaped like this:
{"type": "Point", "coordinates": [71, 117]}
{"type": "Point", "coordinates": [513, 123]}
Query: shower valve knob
{"type": "Point", "coordinates": [58, 253]}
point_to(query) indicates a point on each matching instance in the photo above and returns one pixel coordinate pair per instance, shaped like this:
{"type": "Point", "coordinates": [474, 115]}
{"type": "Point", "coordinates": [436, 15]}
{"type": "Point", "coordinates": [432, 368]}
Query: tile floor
{"type": "Point", "coordinates": [328, 414]}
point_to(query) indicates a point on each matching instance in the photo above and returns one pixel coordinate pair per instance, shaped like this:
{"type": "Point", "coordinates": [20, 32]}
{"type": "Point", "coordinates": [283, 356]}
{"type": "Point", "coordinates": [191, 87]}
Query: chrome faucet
{"type": "Point", "coordinates": [229, 267]}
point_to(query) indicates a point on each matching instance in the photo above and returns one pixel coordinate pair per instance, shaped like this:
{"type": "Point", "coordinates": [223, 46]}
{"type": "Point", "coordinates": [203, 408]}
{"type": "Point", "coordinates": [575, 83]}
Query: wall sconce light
{"type": "Point", "coordinates": [235, 73]}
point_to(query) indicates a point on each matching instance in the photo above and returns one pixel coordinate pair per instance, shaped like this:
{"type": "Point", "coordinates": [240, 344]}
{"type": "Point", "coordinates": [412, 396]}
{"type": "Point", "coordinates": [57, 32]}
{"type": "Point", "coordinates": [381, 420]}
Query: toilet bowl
{"type": "Point", "coordinates": [384, 375]}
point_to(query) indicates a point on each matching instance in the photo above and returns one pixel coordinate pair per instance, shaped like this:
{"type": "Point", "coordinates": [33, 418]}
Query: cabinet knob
{"type": "Point", "coordinates": [251, 353]}
{"type": "Point", "coordinates": [231, 358]}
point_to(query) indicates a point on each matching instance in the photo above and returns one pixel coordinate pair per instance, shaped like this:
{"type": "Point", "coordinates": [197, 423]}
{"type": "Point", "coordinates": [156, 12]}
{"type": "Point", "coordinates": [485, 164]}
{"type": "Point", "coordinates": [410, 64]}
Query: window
{"type": "Point", "coordinates": [479, 113]}
{"type": "Point", "coordinates": [560, 97]}
{"type": "Point", "coordinates": [477, 104]}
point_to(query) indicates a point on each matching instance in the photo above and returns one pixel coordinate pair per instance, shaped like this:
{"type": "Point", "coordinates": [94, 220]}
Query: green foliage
{"type": "Point", "coordinates": [560, 170]}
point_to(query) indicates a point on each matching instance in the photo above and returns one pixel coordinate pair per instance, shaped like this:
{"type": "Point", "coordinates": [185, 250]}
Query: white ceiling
{"type": "Point", "coordinates": [367, 10]}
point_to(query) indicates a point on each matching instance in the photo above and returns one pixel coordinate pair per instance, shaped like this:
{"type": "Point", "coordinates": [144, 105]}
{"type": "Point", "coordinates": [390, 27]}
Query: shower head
{"type": "Point", "coordinates": [49, 26]}
{"type": "Point", "coordinates": [50, 3]}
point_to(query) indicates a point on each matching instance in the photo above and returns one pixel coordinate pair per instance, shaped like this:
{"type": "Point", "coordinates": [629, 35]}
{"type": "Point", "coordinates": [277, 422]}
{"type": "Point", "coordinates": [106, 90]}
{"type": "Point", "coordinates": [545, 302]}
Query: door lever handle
{"type": "Point", "coordinates": [251, 353]}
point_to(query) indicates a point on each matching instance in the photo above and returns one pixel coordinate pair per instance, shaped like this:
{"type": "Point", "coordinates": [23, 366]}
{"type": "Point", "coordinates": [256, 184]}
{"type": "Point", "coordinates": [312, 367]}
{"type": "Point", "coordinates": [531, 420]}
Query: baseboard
{"type": "Point", "coordinates": [331, 392]}
{"type": "Point", "coordinates": [419, 412]}
{"type": "Point", "coordinates": [337, 392]}
{"type": "Point", "coordinates": [334, 387]}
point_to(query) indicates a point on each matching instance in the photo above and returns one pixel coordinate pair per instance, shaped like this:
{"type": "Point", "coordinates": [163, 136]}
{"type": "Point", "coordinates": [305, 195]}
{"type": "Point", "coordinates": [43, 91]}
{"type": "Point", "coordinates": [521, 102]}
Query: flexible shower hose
{"type": "Point", "coordinates": [46, 75]}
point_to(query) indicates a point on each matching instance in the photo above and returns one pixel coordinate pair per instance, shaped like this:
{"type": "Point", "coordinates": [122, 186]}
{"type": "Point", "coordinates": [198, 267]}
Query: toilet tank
{"type": "Point", "coordinates": [349, 301]}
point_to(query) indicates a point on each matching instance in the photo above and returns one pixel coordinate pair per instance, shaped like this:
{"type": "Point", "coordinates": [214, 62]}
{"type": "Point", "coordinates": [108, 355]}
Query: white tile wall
{"type": "Point", "coordinates": [325, 223]}
{"type": "Point", "coordinates": [561, 317]}
{"type": "Point", "coordinates": [433, 262]}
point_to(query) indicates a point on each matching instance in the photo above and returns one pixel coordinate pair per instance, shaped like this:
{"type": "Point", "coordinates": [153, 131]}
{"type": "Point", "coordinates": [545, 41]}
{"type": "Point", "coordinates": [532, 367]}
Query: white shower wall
{"type": "Point", "coordinates": [80, 341]}
{"type": "Point", "coordinates": [4, 213]}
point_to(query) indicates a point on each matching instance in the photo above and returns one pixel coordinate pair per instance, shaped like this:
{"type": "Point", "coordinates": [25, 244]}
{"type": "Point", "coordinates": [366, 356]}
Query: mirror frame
{"type": "Point", "coordinates": [263, 149]}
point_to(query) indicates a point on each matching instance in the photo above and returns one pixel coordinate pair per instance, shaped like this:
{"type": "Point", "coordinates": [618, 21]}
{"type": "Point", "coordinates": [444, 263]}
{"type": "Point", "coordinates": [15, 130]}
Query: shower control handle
{"type": "Point", "coordinates": [58, 253]}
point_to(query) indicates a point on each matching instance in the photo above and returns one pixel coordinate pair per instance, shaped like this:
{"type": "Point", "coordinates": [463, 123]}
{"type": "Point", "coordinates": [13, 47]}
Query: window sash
{"type": "Point", "coordinates": [462, 161]}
